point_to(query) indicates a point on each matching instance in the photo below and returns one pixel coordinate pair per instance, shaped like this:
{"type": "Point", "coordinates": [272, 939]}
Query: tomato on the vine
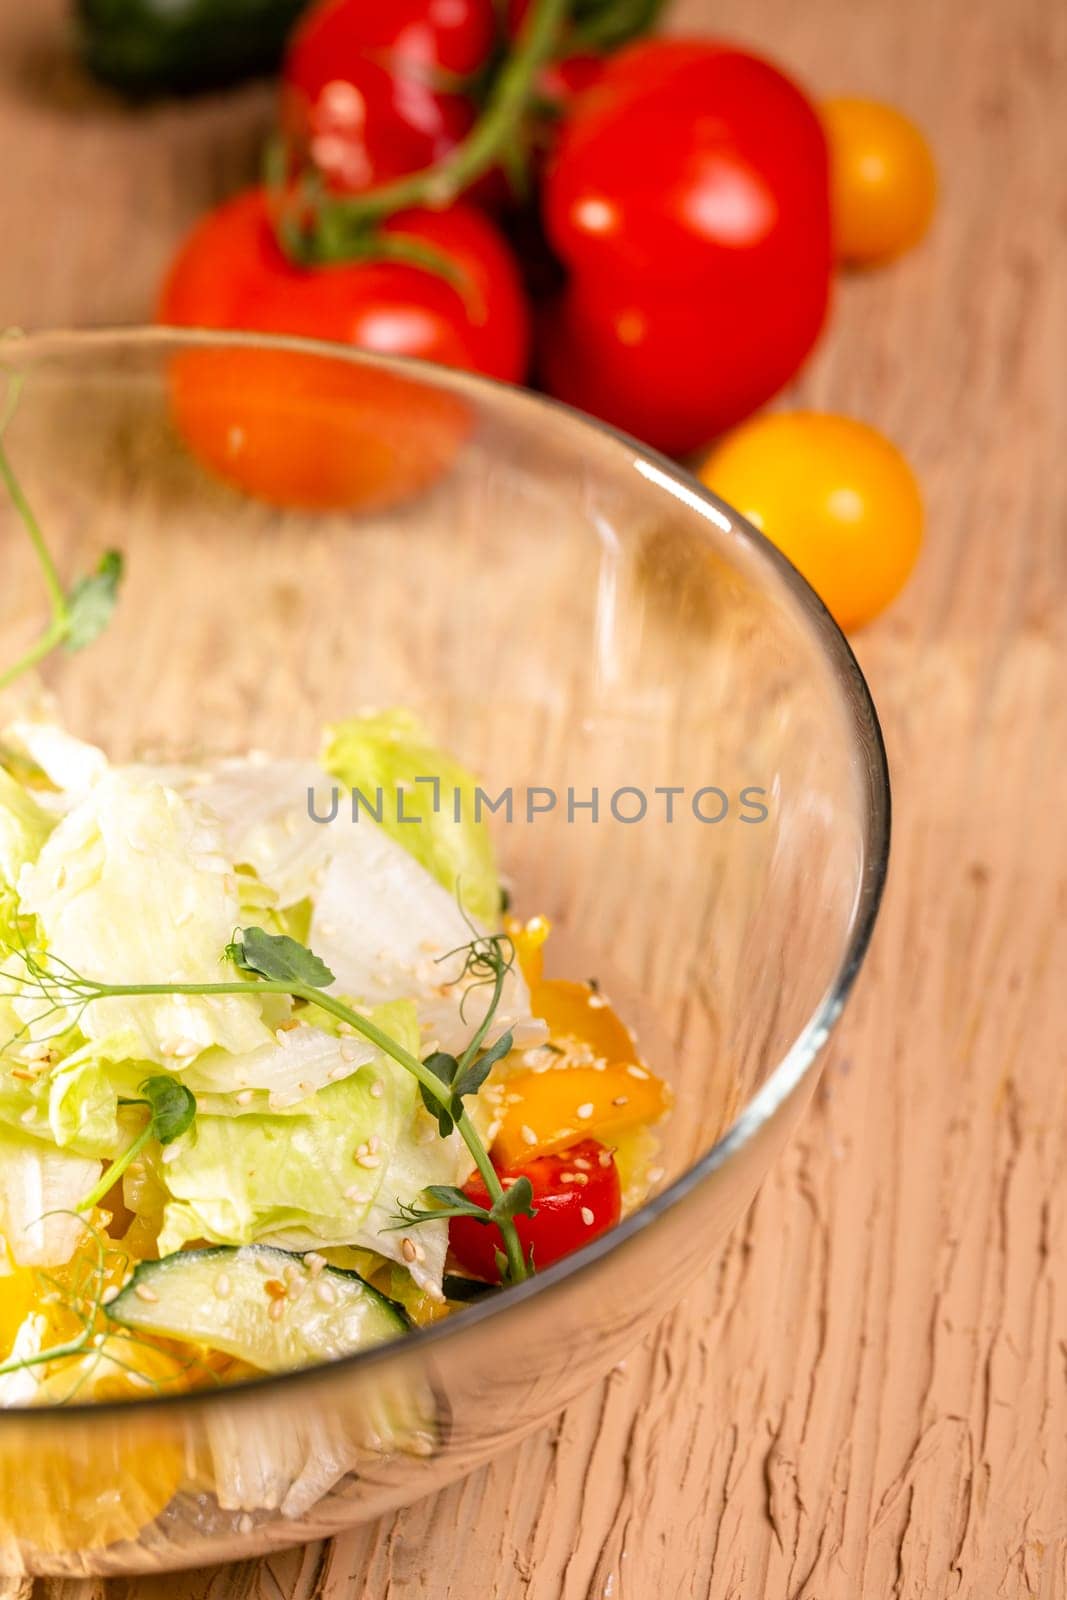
{"type": "Point", "coordinates": [232, 273]}
{"type": "Point", "coordinates": [576, 1196]}
{"type": "Point", "coordinates": [689, 197]}
{"type": "Point", "coordinates": [371, 91]}
{"type": "Point", "coordinates": [300, 430]}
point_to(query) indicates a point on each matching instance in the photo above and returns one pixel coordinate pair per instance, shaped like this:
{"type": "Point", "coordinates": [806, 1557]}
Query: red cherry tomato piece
{"type": "Point", "coordinates": [576, 1196]}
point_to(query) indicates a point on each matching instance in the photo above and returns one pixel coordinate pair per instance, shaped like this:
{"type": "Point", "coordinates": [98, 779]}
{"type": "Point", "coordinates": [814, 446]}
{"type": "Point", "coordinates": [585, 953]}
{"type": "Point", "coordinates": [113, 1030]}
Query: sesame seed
{"type": "Point", "coordinates": [223, 1287]}
{"type": "Point", "coordinates": [586, 1111]}
{"type": "Point", "coordinates": [407, 1249]}
{"type": "Point", "coordinates": [368, 1161]}
{"type": "Point", "coordinates": [587, 1217]}
{"type": "Point", "coordinates": [143, 1292]}
{"type": "Point", "coordinates": [528, 1135]}
{"type": "Point", "coordinates": [621, 1100]}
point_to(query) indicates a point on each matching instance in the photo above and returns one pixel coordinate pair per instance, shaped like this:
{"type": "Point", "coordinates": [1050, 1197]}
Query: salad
{"type": "Point", "coordinates": [280, 1077]}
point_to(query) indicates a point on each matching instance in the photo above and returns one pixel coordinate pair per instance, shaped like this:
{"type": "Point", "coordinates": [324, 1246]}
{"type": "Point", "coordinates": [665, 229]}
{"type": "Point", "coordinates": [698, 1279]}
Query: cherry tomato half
{"type": "Point", "coordinates": [576, 1196]}
{"type": "Point", "coordinates": [372, 91]}
{"type": "Point", "coordinates": [884, 180]}
{"type": "Point", "coordinates": [835, 496]}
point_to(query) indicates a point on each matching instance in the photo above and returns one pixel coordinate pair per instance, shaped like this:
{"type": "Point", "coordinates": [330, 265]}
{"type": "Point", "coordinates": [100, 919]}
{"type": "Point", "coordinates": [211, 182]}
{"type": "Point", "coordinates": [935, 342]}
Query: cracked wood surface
{"type": "Point", "coordinates": [868, 1398]}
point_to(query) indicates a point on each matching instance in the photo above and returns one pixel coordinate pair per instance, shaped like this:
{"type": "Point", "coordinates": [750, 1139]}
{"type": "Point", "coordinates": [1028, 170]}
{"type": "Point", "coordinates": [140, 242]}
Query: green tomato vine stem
{"type": "Point", "coordinates": [340, 226]}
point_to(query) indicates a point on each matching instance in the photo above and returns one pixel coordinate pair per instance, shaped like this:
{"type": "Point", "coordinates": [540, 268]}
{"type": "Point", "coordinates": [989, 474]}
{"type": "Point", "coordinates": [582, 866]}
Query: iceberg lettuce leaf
{"type": "Point", "coordinates": [308, 1176]}
{"type": "Point", "coordinates": [422, 788]}
{"type": "Point", "coordinates": [40, 1187]}
{"type": "Point", "coordinates": [133, 886]}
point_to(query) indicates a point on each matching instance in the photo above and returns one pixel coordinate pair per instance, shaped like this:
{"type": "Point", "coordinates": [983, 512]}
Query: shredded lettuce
{"type": "Point", "coordinates": [308, 1179]}
{"type": "Point", "coordinates": [40, 1187]}
{"type": "Point", "coordinates": [422, 789]}
{"type": "Point", "coordinates": [133, 886]}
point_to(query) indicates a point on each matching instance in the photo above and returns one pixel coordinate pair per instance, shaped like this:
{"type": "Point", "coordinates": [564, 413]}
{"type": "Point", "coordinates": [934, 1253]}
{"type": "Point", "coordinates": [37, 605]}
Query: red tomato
{"type": "Point", "coordinates": [300, 430]}
{"type": "Point", "coordinates": [570, 1211]}
{"type": "Point", "coordinates": [365, 84]}
{"type": "Point", "coordinates": [231, 273]}
{"type": "Point", "coordinates": [689, 196]}
{"type": "Point", "coordinates": [673, 371]}
{"type": "Point", "coordinates": [686, 152]}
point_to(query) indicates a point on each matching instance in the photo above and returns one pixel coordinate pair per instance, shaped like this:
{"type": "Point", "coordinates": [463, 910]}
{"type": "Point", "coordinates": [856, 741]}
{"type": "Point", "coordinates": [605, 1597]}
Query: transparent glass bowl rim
{"type": "Point", "coordinates": [802, 1056]}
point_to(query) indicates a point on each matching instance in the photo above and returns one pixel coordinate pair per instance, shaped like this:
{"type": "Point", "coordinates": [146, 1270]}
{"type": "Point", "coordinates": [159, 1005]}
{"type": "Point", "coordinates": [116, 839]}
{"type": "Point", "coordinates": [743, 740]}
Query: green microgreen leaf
{"type": "Point", "coordinates": [92, 601]}
{"type": "Point", "coordinates": [173, 1107]}
{"type": "Point", "coordinates": [445, 1067]}
{"type": "Point", "coordinates": [172, 1110]}
{"type": "Point", "coordinates": [516, 1201]}
{"type": "Point", "coordinates": [471, 1080]}
{"type": "Point", "coordinates": [278, 957]}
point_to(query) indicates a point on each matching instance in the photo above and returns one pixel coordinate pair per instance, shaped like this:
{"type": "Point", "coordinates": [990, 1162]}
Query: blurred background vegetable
{"type": "Point", "coordinates": [145, 47]}
{"type": "Point", "coordinates": [884, 181]}
{"type": "Point", "coordinates": [835, 497]}
{"type": "Point", "coordinates": [649, 225]}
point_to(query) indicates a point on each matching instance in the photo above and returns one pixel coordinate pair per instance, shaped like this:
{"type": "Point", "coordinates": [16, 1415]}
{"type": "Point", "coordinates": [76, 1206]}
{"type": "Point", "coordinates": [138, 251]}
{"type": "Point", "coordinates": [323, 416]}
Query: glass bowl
{"type": "Point", "coordinates": [569, 613]}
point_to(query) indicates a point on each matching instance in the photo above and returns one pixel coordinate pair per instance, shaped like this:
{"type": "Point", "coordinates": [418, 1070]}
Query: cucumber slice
{"type": "Point", "coordinates": [226, 1299]}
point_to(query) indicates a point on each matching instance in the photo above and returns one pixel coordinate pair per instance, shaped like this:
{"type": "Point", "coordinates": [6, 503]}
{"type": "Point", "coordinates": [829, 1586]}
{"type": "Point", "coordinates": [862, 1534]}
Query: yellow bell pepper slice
{"type": "Point", "coordinates": [551, 1109]}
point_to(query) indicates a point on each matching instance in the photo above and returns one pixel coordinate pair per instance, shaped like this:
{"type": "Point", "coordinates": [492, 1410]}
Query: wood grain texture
{"type": "Point", "coordinates": [869, 1398]}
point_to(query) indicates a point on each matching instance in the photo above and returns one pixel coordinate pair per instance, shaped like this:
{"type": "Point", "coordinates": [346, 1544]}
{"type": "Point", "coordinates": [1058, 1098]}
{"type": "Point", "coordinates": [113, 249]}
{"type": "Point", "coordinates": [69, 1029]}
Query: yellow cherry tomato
{"type": "Point", "coordinates": [835, 497]}
{"type": "Point", "coordinates": [884, 182]}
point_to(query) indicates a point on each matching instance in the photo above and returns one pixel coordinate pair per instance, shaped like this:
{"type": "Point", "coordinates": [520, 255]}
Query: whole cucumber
{"type": "Point", "coordinates": [146, 47]}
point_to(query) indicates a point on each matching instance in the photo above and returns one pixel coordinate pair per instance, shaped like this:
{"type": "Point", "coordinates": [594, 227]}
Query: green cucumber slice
{"type": "Point", "coordinates": [226, 1298]}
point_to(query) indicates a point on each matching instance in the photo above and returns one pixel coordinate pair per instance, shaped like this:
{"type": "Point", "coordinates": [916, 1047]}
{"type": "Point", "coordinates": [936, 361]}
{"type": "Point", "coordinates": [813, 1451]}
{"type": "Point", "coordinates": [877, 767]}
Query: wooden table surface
{"type": "Point", "coordinates": [869, 1399]}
